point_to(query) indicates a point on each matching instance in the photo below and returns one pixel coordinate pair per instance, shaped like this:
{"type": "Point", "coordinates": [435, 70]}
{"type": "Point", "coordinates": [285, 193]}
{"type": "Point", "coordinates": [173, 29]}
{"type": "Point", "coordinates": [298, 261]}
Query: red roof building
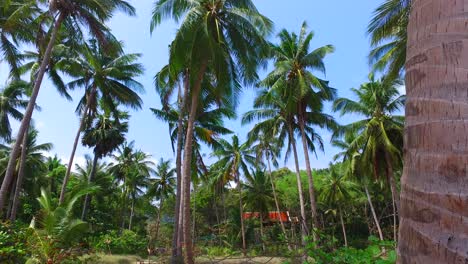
{"type": "Point", "coordinates": [272, 216]}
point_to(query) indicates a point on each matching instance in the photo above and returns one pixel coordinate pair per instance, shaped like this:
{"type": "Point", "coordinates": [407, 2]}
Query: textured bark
{"type": "Point", "coordinates": [374, 215]}
{"type": "Point", "coordinates": [313, 203]}
{"type": "Point", "coordinates": [87, 199]}
{"type": "Point", "coordinates": [434, 198]}
{"type": "Point", "coordinates": [75, 145]}
{"type": "Point", "coordinates": [299, 185]}
{"type": "Point", "coordinates": [9, 174]}
{"type": "Point", "coordinates": [132, 211]}
{"type": "Point", "coordinates": [19, 180]}
{"type": "Point", "coordinates": [261, 231]}
{"type": "Point", "coordinates": [189, 256]}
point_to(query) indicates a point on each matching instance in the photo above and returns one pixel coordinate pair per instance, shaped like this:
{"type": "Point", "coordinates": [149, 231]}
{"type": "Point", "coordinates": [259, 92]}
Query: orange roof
{"type": "Point", "coordinates": [272, 216]}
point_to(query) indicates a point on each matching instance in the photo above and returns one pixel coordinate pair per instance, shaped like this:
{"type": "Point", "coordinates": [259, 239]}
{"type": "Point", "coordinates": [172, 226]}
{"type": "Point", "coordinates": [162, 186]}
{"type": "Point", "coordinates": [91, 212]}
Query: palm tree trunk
{"type": "Point", "coordinates": [395, 236]}
{"type": "Point", "coordinates": [391, 179]}
{"type": "Point", "coordinates": [374, 215]}
{"type": "Point", "coordinates": [158, 221]}
{"type": "Point", "coordinates": [188, 153]}
{"type": "Point", "coordinates": [276, 201]}
{"type": "Point", "coordinates": [434, 198]}
{"type": "Point", "coordinates": [132, 210]}
{"type": "Point", "coordinates": [313, 203]}
{"type": "Point", "coordinates": [87, 199]}
{"type": "Point", "coordinates": [261, 231]}
{"type": "Point", "coordinates": [343, 228]}
{"type": "Point", "coordinates": [124, 207]}
{"type": "Point", "coordinates": [241, 210]}
{"type": "Point", "coordinates": [9, 174]}
{"type": "Point", "coordinates": [10, 199]}
{"type": "Point", "coordinates": [19, 180]}
{"type": "Point", "coordinates": [176, 246]}
{"type": "Point", "coordinates": [75, 145]}
{"type": "Point", "coordinates": [302, 221]}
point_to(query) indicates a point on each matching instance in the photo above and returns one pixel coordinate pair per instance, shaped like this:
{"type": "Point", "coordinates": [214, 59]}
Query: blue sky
{"type": "Point", "coordinates": [337, 22]}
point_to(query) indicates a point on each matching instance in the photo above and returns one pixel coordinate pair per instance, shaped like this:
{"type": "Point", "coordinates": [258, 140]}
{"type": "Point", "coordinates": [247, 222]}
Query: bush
{"type": "Point", "coordinates": [372, 254]}
{"type": "Point", "coordinates": [128, 242]}
{"type": "Point", "coordinates": [216, 251]}
{"type": "Point", "coordinates": [12, 243]}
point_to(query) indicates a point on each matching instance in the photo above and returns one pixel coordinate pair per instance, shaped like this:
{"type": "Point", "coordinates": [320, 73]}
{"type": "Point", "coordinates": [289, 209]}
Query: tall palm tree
{"type": "Point", "coordinates": [258, 196]}
{"type": "Point", "coordinates": [162, 187]}
{"type": "Point", "coordinates": [272, 113]}
{"type": "Point", "coordinates": [106, 133]}
{"type": "Point", "coordinates": [12, 101]}
{"type": "Point", "coordinates": [434, 177]}
{"type": "Point", "coordinates": [303, 92]}
{"type": "Point", "coordinates": [380, 133]}
{"type": "Point", "coordinates": [267, 148]}
{"type": "Point", "coordinates": [388, 33]}
{"type": "Point", "coordinates": [234, 31]}
{"type": "Point", "coordinates": [110, 78]}
{"type": "Point", "coordinates": [90, 14]}
{"type": "Point", "coordinates": [336, 190]}
{"type": "Point", "coordinates": [32, 160]}
{"type": "Point", "coordinates": [234, 157]}
{"type": "Point", "coordinates": [355, 169]}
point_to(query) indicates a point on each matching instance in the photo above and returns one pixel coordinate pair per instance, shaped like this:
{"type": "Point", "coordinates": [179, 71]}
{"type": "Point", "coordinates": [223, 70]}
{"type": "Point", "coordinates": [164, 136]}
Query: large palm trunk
{"type": "Point", "coordinates": [87, 199]}
{"type": "Point", "coordinates": [302, 221]}
{"type": "Point", "coordinates": [313, 203]}
{"type": "Point", "coordinates": [374, 215]}
{"type": "Point", "coordinates": [9, 174]}
{"type": "Point", "coordinates": [241, 210]}
{"type": "Point", "coordinates": [275, 197]}
{"type": "Point", "coordinates": [75, 146]}
{"type": "Point", "coordinates": [19, 180]}
{"type": "Point", "coordinates": [132, 212]}
{"type": "Point", "coordinates": [434, 198]}
{"type": "Point", "coordinates": [188, 149]}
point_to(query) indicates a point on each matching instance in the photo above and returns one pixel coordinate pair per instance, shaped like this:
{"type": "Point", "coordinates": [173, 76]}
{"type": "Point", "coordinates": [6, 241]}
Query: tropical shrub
{"type": "Point", "coordinates": [13, 248]}
{"type": "Point", "coordinates": [127, 242]}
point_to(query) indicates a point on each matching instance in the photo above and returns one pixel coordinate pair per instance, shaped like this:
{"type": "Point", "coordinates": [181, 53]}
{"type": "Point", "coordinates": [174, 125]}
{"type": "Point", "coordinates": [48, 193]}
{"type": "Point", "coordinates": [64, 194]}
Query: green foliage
{"type": "Point", "coordinates": [13, 248]}
{"type": "Point", "coordinates": [377, 252]}
{"type": "Point", "coordinates": [127, 242]}
{"type": "Point", "coordinates": [217, 251]}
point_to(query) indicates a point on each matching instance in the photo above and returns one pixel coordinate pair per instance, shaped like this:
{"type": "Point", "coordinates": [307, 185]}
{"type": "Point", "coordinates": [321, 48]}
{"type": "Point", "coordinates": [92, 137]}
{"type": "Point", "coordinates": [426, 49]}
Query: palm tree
{"type": "Point", "coordinates": [162, 187]}
{"type": "Point", "coordinates": [388, 32]}
{"type": "Point", "coordinates": [267, 147]}
{"type": "Point", "coordinates": [258, 195]}
{"type": "Point", "coordinates": [234, 157]}
{"type": "Point", "coordinates": [32, 159]}
{"type": "Point", "coordinates": [353, 163]}
{"type": "Point", "coordinates": [55, 172]}
{"type": "Point", "coordinates": [433, 182]}
{"type": "Point", "coordinates": [104, 77]}
{"type": "Point", "coordinates": [12, 101]}
{"type": "Point", "coordinates": [272, 112]}
{"type": "Point", "coordinates": [234, 31]}
{"type": "Point", "coordinates": [336, 190]}
{"type": "Point", "coordinates": [302, 91]}
{"type": "Point", "coordinates": [380, 133]}
{"type": "Point", "coordinates": [106, 133]}
{"type": "Point", "coordinates": [72, 13]}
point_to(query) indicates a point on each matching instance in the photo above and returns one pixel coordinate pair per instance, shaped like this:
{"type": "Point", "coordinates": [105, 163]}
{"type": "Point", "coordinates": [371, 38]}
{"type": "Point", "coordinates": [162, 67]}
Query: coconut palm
{"type": "Point", "coordinates": [162, 187]}
{"type": "Point", "coordinates": [234, 31]}
{"type": "Point", "coordinates": [258, 195]}
{"type": "Point", "coordinates": [72, 14]}
{"type": "Point", "coordinates": [32, 161]}
{"type": "Point", "coordinates": [388, 33]}
{"type": "Point", "coordinates": [293, 78]}
{"type": "Point", "coordinates": [104, 77]}
{"type": "Point", "coordinates": [234, 158]}
{"type": "Point", "coordinates": [336, 190]}
{"type": "Point", "coordinates": [12, 101]}
{"type": "Point", "coordinates": [106, 133]}
{"type": "Point", "coordinates": [433, 182]}
{"type": "Point", "coordinates": [380, 133]}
